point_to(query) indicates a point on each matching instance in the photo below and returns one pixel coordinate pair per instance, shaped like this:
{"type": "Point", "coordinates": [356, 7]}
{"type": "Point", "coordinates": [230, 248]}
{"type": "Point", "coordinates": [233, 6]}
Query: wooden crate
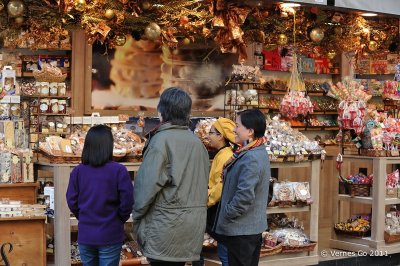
{"type": "Point", "coordinates": [25, 192]}
{"type": "Point", "coordinates": [28, 238]}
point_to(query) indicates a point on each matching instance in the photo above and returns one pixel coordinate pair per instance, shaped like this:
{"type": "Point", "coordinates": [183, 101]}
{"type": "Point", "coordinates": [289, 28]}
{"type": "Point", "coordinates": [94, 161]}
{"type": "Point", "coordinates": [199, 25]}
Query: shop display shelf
{"type": "Point", "coordinates": [364, 200]}
{"type": "Point", "coordinates": [380, 167]}
{"type": "Point", "coordinates": [272, 210]}
{"type": "Point", "coordinates": [41, 96]}
{"type": "Point", "coordinates": [50, 114]}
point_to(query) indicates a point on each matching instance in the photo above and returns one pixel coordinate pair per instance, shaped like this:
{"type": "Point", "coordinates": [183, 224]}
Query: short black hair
{"type": "Point", "coordinates": [98, 148]}
{"type": "Point", "coordinates": [253, 119]}
{"type": "Point", "coordinates": [174, 106]}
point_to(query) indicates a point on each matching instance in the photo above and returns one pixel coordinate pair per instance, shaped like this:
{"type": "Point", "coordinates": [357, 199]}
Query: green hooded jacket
{"type": "Point", "coordinates": [170, 193]}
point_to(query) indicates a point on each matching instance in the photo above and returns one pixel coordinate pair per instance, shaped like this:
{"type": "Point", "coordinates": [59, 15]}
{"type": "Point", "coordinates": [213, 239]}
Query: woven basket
{"type": "Point", "coordinates": [269, 251]}
{"type": "Point", "coordinates": [352, 233]}
{"type": "Point", "coordinates": [358, 190]}
{"type": "Point", "coordinates": [299, 248]}
{"type": "Point", "coordinates": [44, 156]}
{"type": "Point", "coordinates": [373, 153]}
{"type": "Point", "coordinates": [48, 77]}
{"type": "Point", "coordinates": [391, 238]}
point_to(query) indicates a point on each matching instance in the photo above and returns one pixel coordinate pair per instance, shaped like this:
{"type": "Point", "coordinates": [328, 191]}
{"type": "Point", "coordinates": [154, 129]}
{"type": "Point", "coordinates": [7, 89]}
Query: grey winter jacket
{"type": "Point", "coordinates": [170, 193]}
{"type": "Point", "coordinates": [244, 198]}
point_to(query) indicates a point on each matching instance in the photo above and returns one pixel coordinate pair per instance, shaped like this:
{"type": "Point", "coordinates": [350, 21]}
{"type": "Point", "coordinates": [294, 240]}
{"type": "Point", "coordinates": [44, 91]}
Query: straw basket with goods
{"type": "Point", "coordinates": [49, 73]}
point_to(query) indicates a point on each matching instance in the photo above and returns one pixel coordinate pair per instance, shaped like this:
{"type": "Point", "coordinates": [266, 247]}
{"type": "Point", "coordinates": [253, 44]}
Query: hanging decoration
{"type": "Point", "coordinates": [317, 35]}
{"type": "Point", "coordinates": [152, 31]}
{"type": "Point", "coordinates": [229, 24]}
{"type": "Point", "coordinates": [15, 8]}
{"type": "Point", "coordinates": [295, 102]}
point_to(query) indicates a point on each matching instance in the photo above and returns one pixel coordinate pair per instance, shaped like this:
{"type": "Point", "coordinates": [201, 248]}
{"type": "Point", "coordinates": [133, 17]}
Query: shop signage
{"type": "Point", "coordinates": [319, 2]}
{"type": "Point", "coordinates": [384, 6]}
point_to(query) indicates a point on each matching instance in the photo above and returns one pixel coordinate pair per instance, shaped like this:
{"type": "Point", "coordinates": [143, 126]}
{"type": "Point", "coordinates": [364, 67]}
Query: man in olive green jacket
{"type": "Point", "coordinates": [170, 192]}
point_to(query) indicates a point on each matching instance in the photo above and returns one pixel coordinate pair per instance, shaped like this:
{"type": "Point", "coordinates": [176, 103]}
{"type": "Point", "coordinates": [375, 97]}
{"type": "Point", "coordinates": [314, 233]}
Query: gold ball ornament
{"type": "Point", "coordinates": [109, 14]}
{"type": "Point", "coordinates": [15, 8]}
{"type": "Point", "coordinates": [152, 31]}
{"type": "Point", "coordinates": [317, 35]}
{"type": "Point", "coordinates": [146, 5]}
{"type": "Point", "coordinates": [373, 46]}
{"type": "Point", "coordinates": [120, 39]}
{"type": "Point", "coordinates": [331, 54]}
{"type": "Point", "coordinates": [186, 41]}
{"type": "Point", "coordinates": [19, 20]}
{"type": "Point", "coordinates": [338, 30]}
{"type": "Point", "coordinates": [282, 39]}
{"type": "Point", "coordinates": [80, 5]}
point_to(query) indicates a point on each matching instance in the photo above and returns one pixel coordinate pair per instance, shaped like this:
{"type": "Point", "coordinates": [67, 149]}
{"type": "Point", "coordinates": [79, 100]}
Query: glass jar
{"type": "Point", "coordinates": [44, 89]}
{"type": "Point", "coordinates": [44, 105]}
{"type": "Point", "coordinates": [62, 106]}
{"type": "Point", "coordinates": [53, 89]}
{"type": "Point", "coordinates": [60, 127]}
{"type": "Point", "coordinates": [52, 127]}
{"type": "Point", "coordinates": [62, 89]}
{"type": "Point", "coordinates": [54, 106]}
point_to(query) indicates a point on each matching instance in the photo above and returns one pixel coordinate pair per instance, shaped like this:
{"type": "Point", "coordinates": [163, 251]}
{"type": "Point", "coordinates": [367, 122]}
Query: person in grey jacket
{"type": "Point", "coordinates": [241, 217]}
{"type": "Point", "coordinates": [170, 190]}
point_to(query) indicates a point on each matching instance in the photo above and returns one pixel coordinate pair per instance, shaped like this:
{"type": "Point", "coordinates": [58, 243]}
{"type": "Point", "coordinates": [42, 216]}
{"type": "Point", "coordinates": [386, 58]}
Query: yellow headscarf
{"type": "Point", "coordinates": [225, 127]}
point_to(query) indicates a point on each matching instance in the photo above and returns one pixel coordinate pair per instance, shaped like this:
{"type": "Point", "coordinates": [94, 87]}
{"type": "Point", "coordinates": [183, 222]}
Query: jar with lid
{"type": "Point", "coordinates": [52, 126]}
{"type": "Point", "coordinates": [44, 105]}
{"type": "Point", "coordinates": [54, 106]}
{"type": "Point", "coordinates": [62, 89]}
{"type": "Point", "coordinates": [59, 127]}
{"type": "Point", "coordinates": [44, 88]}
{"type": "Point", "coordinates": [53, 89]}
{"type": "Point", "coordinates": [62, 106]}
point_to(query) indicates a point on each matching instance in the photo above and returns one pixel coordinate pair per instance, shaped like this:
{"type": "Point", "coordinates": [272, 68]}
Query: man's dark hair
{"type": "Point", "coordinates": [98, 148]}
{"type": "Point", "coordinates": [175, 106]}
{"type": "Point", "coordinates": [253, 119]}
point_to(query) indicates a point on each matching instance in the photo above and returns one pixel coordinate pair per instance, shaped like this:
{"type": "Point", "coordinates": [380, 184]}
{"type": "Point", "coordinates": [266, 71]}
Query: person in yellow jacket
{"type": "Point", "coordinates": [221, 137]}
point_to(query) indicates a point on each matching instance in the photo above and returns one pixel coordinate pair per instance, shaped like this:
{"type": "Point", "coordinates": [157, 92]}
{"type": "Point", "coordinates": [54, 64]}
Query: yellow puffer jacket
{"type": "Point", "coordinates": [215, 179]}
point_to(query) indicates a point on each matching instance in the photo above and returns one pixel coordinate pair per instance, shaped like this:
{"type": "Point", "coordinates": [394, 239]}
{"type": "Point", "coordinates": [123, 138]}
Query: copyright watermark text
{"type": "Point", "coordinates": [360, 253]}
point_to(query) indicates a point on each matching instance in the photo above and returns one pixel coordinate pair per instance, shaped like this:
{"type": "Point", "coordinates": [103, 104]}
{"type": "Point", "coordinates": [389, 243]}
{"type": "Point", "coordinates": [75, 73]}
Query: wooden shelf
{"type": "Point", "coordinates": [49, 114]}
{"type": "Point", "coordinates": [379, 166]}
{"type": "Point", "coordinates": [328, 112]}
{"type": "Point", "coordinates": [365, 200]}
{"type": "Point", "coordinates": [19, 185]}
{"type": "Point", "coordinates": [50, 133]}
{"type": "Point", "coordinates": [40, 96]}
{"type": "Point", "coordinates": [272, 210]}
{"type": "Point", "coordinates": [23, 218]}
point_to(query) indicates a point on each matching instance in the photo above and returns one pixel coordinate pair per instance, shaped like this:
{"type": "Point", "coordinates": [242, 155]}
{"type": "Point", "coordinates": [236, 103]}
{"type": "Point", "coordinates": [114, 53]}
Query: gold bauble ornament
{"type": "Point", "coordinates": [120, 39]}
{"type": "Point", "coordinates": [331, 54]}
{"type": "Point", "coordinates": [19, 20]}
{"type": "Point", "coordinates": [282, 39]}
{"type": "Point", "coordinates": [80, 5]}
{"type": "Point", "coordinates": [186, 41]}
{"type": "Point", "coordinates": [373, 46]}
{"type": "Point", "coordinates": [15, 8]}
{"type": "Point", "coordinates": [317, 35]}
{"type": "Point", "coordinates": [146, 5]}
{"type": "Point", "coordinates": [338, 30]}
{"type": "Point", "coordinates": [109, 14]}
{"type": "Point", "coordinates": [152, 31]}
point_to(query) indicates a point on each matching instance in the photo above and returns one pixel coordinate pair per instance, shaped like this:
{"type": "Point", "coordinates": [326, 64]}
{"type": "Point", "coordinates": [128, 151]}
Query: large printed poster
{"type": "Point", "coordinates": [132, 77]}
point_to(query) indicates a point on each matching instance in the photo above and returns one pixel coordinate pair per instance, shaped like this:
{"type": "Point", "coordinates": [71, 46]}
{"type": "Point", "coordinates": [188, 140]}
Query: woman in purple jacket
{"type": "Point", "coordinates": [100, 195]}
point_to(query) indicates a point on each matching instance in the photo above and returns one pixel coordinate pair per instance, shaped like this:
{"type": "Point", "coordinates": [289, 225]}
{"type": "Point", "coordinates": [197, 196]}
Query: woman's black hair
{"type": "Point", "coordinates": [98, 148]}
{"type": "Point", "coordinates": [174, 106]}
{"type": "Point", "coordinates": [253, 119]}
